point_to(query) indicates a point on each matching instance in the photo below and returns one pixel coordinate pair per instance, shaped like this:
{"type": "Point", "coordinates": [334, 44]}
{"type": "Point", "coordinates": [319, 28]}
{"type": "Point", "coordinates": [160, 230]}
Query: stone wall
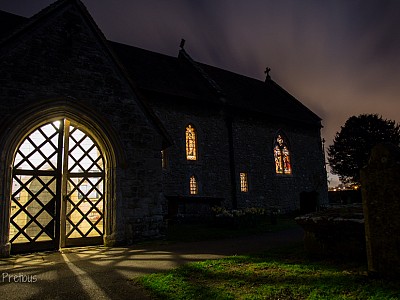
{"type": "Point", "coordinates": [212, 166]}
{"type": "Point", "coordinates": [253, 139]}
{"type": "Point", "coordinates": [254, 142]}
{"type": "Point", "coordinates": [62, 57]}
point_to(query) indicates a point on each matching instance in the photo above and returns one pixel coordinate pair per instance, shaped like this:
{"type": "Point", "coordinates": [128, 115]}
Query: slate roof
{"type": "Point", "coordinates": [183, 77]}
{"type": "Point", "coordinates": [255, 95]}
{"type": "Point", "coordinates": [174, 76]}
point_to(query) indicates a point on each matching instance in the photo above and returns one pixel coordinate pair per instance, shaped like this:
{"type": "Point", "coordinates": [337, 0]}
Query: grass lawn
{"type": "Point", "coordinates": [284, 273]}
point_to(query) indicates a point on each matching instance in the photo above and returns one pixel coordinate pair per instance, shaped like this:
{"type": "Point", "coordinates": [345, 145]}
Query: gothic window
{"type": "Point", "coordinates": [191, 143]}
{"type": "Point", "coordinates": [193, 187]}
{"type": "Point", "coordinates": [244, 186]}
{"type": "Point", "coordinates": [282, 156]}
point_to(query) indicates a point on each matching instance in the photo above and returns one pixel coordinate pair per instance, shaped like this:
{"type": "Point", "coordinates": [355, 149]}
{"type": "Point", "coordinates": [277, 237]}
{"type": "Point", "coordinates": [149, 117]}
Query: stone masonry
{"type": "Point", "coordinates": [381, 201]}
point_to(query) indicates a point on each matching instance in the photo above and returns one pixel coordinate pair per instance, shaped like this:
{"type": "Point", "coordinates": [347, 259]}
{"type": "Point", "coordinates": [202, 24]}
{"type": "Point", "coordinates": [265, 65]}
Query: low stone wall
{"type": "Point", "coordinates": [337, 232]}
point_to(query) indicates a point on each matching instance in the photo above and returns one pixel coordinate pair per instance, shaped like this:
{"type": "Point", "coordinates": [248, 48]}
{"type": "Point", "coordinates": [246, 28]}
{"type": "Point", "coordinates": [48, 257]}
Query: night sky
{"type": "Point", "coordinates": [338, 57]}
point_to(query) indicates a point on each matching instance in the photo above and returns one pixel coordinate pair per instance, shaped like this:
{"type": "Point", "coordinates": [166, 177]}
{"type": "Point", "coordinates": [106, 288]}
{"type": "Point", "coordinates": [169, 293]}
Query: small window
{"type": "Point", "coordinates": [282, 156]}
{"type": "Point", "coordinates": [244, 185]}
{"type": "Point", "coordinates": [193, 187]}
{"type": "Point", "coordinates": [191, 143]}
{"type": "Point", "coordinates": [164, 161]}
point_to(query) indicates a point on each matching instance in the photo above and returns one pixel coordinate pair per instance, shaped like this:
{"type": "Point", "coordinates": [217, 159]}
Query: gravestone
{"type": "Point", "coordinates": [380, 181]}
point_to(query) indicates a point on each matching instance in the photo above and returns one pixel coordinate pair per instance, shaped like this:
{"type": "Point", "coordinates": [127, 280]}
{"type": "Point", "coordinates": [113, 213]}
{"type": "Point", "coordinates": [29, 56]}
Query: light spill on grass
{"type": "Point", "coordinates": [273, 276]}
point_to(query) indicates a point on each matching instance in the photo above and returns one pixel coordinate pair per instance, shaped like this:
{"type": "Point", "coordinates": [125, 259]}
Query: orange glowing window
{"type": "Point", "coordinates": [193, 187]}
{"type": "Point", "coordinates": [244, 186]}
{"type": "Point", "coordinates": [191, 143]}
{"type": "Point", "coordinates": [282, 156]}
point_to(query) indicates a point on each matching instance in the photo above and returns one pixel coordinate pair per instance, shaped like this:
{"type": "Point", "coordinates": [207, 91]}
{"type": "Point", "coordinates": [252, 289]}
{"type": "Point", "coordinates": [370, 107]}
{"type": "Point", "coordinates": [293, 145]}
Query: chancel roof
{"type": "Point", "coordinates": [207, 85]}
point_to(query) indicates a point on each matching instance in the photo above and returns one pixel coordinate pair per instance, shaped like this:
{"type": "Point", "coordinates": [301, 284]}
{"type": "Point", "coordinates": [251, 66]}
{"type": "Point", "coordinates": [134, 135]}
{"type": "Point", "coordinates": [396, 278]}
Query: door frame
{"type": "Point", "coordinates": [40, 113]}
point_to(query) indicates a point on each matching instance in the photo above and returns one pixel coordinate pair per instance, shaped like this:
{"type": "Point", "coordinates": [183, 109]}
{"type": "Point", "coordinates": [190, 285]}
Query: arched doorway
{"type": "Point", "coordinates": [58, 188]}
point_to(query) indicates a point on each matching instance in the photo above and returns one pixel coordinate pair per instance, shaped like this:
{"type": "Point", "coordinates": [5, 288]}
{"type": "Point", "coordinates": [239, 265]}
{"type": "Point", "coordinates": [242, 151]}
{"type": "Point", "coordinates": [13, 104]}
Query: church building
{"type": "Point", "coordinates": [101, 142]}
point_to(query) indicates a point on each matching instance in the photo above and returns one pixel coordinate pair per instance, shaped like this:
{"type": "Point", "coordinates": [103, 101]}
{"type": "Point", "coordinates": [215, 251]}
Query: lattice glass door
{"type": "Point", "coordinates": [57, 194]}
{"type": "Point", "coordinates": [85, 190]}
{"type": "Point", "coordinates": [36, 190]}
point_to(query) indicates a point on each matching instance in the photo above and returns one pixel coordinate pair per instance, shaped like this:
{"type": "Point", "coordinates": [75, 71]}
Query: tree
{"type": "Point", "coordinates": [352, 146]}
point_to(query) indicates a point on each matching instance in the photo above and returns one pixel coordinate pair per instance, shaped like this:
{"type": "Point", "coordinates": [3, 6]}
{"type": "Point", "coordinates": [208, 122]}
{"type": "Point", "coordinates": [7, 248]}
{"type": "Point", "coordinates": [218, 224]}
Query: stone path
{"type": "Point", "coordinates": [105, 273]}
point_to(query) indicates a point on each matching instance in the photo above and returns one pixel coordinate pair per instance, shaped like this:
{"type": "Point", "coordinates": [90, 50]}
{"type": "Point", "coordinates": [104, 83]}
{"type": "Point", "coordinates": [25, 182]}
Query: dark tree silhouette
{"type": "Point", "coordinates": [353, 144]}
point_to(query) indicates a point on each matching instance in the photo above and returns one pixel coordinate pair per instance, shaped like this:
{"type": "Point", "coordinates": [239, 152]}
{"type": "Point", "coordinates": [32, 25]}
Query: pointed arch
{"type": "Point", "coordinates": [191, 142]}
{"type": "Point", "coordinates": [282, 155]}
{"type": "Point", "coordinates": [84, 123]}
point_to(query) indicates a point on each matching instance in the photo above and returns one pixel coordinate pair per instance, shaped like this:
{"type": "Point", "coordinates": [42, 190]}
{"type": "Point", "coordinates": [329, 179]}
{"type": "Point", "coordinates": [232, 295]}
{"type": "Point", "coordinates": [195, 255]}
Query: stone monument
{"type": "Point", "coordinates": [380, 181]}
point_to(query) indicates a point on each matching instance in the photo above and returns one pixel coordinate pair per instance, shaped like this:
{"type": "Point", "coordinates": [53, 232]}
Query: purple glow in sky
{"type": "Point", "coordinates": [338, 57]}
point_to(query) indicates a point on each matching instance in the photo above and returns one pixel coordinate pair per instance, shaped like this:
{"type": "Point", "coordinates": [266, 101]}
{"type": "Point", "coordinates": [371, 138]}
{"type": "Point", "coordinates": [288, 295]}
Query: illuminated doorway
{"type": "Point", "coordinates": [58, 189]}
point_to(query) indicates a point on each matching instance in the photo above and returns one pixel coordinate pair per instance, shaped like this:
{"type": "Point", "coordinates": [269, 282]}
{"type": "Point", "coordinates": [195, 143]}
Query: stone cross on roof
{"type": "Point", "coordinates": [267, 70]}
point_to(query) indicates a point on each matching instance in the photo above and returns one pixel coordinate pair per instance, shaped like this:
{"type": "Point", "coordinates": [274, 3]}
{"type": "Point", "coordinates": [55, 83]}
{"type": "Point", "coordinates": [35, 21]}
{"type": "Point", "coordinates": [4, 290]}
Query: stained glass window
{"type": "Point", "coordinates": [282, 156]}
{"type": "Point", "coordinates": [193, 188]}
{"type": "Point", "coordinates": [191, 143]}
{"type": "Point", "coordinates": [244, 187]}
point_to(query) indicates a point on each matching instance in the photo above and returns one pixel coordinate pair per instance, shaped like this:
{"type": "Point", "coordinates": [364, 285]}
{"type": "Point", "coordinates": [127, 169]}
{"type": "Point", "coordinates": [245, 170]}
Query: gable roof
{"type": "Point", "coordinates": [183, 77]}
{"type": "Point", "coordinates": [22, 25]}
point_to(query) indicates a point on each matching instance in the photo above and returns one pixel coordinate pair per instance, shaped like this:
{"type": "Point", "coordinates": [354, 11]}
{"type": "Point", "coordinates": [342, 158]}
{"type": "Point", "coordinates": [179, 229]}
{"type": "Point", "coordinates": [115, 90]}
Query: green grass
{"type": "Point", "coordinates": [283, 273]}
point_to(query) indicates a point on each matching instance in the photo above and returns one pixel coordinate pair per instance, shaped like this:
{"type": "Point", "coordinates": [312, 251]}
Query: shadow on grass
{"type": "Point", "coordinates": [283, 273]}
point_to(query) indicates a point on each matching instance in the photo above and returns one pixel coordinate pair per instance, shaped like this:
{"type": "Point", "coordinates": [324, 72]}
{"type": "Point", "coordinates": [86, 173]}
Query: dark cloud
{"type": "Point", "coordinates": [339, 57]}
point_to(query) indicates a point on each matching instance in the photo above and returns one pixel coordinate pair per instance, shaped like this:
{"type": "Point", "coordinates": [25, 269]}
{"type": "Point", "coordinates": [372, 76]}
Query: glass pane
{"type": "Point", "coordinates": [32, 208]}
{"type": "Point", "coordinates": [84, 155]}
{"type": "Point", "coordinates": [39, 150]}
{"type": "Point", "coordinates": [85, 207]}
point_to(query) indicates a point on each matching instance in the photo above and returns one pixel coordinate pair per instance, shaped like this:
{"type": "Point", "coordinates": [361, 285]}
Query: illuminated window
{"type": "Point", "coordinates": [164, 159]}
{"type": "Point", "coordinates": [244, 186]}
{"type": "Point", "coordinates": [282, 156]}
{"type": "Point", "coordinates": [191, 143]}
{"type": "Point", "coordinates": [193, 188]}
